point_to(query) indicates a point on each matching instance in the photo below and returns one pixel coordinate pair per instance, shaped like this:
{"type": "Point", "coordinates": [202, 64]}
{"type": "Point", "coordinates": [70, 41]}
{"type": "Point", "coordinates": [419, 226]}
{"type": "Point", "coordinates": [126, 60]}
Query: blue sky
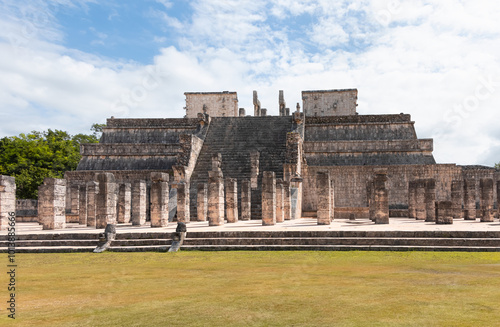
{"type": "Point", "coordinates": [66, 64]}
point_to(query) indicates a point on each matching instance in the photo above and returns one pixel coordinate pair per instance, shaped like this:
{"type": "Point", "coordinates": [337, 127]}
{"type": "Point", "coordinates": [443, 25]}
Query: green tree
{"type": "Point", "coordinates": [32, 157]}
{"type": "Point", "coordinates": [497, 165]}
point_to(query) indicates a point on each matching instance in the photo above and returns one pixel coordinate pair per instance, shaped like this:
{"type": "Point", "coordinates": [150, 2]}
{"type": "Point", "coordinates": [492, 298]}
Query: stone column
{"type": "Point", "coordinates": [456, 198]}
{"type": "Point", "coordinates": [498, 198]}
{"type": "Point", "coordinates": [159, 199]}
{"type": "Point", "coordinates": [183, 210]}
{"type": "Point", "coordinates": [52, 203]}
{"type": "Point", "coordinates": [75, 199]}
{"type": "Point", "coordinates": [412, 199]}
{"type": "Point", "coordinates": [254, 168]}
{"type": "Point", "coordinates": [420, 213]}
{"type": "Point", "coordinates": [381, 198]}
{"type": "Point", "coordinates": [369, 199]}
{"type": "Point", "coordinates": [82, 210]}
{"type": "Point", "coordinates": [7, 200]}
{"type": "Point", "coordinates": [124, 203]}
{"type": "Point", "coordinates": [323, 195]}
{"type": "Point", "coordinates": [216, 192]}
{"type": "Point", "coordinates": [486, 192]}
{"type": "Point", "coordinates": [92, 191]}
{"type": "Point", "coordinates": [231, 190]}
{"type": "Point", "coordinates": [268, 198]}
{"type": "Point", "coordinates": [202, 202]}
{"type": "Point", "coordinates": [246, 200]}
{"type": "Point", "coordinates": [280, 214]}
{"type": "Point", "coordinates": [444, 213]}
{"type": "Point", "coordinates": [106, 200]}
{"type": "Point", "coordinates": [430, 200]}
{"type": "Point", "coordinates": [138, 203]}
{"type": "Point", "coordinates": [332, 200]}
{"type": "Point", "coordinates": [470, 199]}
{"type": "Point", "coordinates": [287, 209]}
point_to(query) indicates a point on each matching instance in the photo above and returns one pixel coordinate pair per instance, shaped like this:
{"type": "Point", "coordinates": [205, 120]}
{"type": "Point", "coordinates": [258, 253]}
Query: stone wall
{"type": "Point", "coordinates": [215, 104]}
{"type": "Point", "coordinates": [350, 183]}
{"type": "Point", "coordinates": [330, 103]}
{"type": "Point", "coordinates": [26, 210]}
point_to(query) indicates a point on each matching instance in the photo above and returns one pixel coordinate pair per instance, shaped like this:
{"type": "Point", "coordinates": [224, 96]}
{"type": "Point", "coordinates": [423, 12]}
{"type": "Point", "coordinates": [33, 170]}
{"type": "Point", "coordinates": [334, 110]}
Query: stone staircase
{"type": "Point", "coordinates": [87, 242]}
{"type": "Point", "coordinates": [235, 138]}
{"type": "Point", "coordinates": [266, 241]}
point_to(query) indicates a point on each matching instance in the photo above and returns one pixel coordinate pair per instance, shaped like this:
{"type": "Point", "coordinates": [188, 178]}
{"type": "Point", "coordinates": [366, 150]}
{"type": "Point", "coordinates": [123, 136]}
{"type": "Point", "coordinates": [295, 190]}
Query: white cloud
{"type": "Point", "coordinates": [427, 58]}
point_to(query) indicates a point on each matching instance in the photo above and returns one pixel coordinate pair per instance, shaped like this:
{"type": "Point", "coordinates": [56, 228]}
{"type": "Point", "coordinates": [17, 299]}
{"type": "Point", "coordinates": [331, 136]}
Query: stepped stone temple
{"type": "Point", "coordinates": [219, 164]}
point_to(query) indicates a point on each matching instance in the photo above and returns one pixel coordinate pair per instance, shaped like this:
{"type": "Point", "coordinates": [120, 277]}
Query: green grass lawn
{"type": "Point", "coordinates": [256, 289]}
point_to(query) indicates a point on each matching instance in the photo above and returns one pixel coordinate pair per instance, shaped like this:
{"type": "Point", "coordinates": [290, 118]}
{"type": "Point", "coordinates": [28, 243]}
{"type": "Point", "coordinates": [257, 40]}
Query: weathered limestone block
{"type": "Point", "coordinates": [444, 213]}
{"type": "Point", "coordinates": [231, 185]}
{"type": "Point", "coordinates": [370, 195]}
{"type": "Point", "coordinates": [412, 199]}
{"type": "Point", "coordinates": [139, 203]}
{"type": "Point", "coordinates": [430, 200]}
{"type": "Point", "coordinates": [183, 211]}
{"type": "Point", "coordinates": [420, 207]}
{"type": "Point", "coordinates": [52, 203]}
{"type": "Point", "coordinates": [242, 112]}
{"type": "Point", "coordinates": [82, 207]}
{"type": "Point", "coordinates": [280, 215]}
{"type": "Point", "coordinates": [7, 200]}
{"type": "Point", "coordinates": [106, 200]}
{"type": "Point", "coordinates": [456, 198]}
{"type": "Point", "coordinates": [268, 198]}
{"type": "Point", "coordinates": [202, 202]}
{"type": "Point", "coordinates": [256, 104]}
{"type": "Point", "coordinates": [381, 198]}
{"type": "Point", "coordinates": [215, 198]}
{"type": "Point", "coordinates": [92, 191]}
{"type": "Point", "coordinates": [323, 194]}
{"type": "Point", "coordinates": [254, 168]}
{"type": "Point", "coordinates": [263, 112]}
{"type": "Point", "coordinates": [124, 203]}
{"type": "Point", "coordinates": [246, 200]}
{"type": "Point", "coordinates": [470, 199]}
{"type": "Point", "coordinates": [287, 209]}
{"type": "Point", "coordinates": [75, 199]}
{"type": "Point", "coordinates": [159, 196]}
{"type": "Point", "coordinates": [216, 162]}
{"type": "Point", "coordinates": [282, 104]}
{"type": "Point", "coordinates": [486, 192]}
{"type": "Point", "coordinates": [498, 198]}
{"type": "Point", "coordinates": [332, 200]}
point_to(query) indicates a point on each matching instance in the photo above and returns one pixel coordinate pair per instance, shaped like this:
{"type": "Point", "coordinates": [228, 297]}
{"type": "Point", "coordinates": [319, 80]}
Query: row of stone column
{"type": "Point", "coordinates": [422, 203]}
{"type": "Point", "coordinates": [220, 193]}
{"type": "Point", "coordinates": [104, 201]}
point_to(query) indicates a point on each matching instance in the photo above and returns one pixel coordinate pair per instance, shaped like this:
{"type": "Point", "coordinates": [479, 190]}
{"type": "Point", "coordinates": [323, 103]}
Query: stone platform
{"type": "Point", "coordinates": [402, 234]}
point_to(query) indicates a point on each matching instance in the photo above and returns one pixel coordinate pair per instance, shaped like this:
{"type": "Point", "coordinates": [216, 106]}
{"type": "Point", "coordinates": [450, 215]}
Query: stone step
{"type": "Point", "coordinates": [89, 242]}
{"type": "Point", "coordinates": [453, 242]}
{"type": "Point", "coordinates": [336, 248]}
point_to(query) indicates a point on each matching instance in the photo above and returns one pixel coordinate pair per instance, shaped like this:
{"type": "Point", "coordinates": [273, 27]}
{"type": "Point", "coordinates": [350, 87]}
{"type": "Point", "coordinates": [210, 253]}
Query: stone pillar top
{"type": "Point", "coordinates": [54, 181]}
{"type": "Point", "coordinates": [105, 178]}
{"type": "Point", "coordinates": [216, 161]}
{"type": "Point", "coordinates": [159, 177]}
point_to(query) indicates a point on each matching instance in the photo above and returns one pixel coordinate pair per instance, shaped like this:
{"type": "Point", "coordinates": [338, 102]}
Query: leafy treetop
{"type": "Point", "coordinates": [32, 157]}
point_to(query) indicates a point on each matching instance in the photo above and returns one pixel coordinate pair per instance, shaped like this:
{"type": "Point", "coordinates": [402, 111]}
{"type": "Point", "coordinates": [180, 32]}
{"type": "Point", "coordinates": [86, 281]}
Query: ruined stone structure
{"type": "Point", "coordinates": [7, 200]}
{"type": "Point", "coordinates": [214, 104]}
{"type": "Point", "coordinates": [330, 103]}
{"type": "Point", "coordinates": [52, 203]}
{"type": "Point", "coordinates": [327, 137]}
